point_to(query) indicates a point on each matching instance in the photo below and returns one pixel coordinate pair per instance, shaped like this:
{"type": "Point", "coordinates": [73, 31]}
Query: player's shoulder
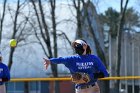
{"type": "Point", "coordinates": [73, 56]}
{"type": "Point", "coordinates": [93, 56]}
{"type": "Point", "coordinates": [3, 65]}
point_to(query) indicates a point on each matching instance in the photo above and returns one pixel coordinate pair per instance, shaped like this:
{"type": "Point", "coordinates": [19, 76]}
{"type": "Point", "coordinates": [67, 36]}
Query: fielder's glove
{"type": "Point", "coordinates": [80, 78]}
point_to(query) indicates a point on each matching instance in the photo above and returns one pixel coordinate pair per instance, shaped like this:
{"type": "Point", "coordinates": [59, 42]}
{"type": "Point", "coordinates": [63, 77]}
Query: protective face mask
{"type": "Point", "coordinates": [79, 49]}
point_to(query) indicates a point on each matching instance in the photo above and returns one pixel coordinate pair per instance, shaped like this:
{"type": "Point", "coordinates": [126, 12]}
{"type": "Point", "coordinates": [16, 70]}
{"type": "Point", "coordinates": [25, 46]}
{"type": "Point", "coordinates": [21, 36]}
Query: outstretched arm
{"type": "Point", "coordinates": [59, 60]}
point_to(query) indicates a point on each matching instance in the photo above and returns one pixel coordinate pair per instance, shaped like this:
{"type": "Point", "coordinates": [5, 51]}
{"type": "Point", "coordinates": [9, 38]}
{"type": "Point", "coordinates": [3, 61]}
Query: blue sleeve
{"type": "Point", "coordinates": [6, 73]}
{"type": "Point", "coordinates": [100, 67]}
{"type": "Point", "coordinates": [59, 60]}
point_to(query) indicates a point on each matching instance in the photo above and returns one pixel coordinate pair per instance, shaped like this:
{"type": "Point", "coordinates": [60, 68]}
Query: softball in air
{"type": "Point", "coordinates": [13, 43]}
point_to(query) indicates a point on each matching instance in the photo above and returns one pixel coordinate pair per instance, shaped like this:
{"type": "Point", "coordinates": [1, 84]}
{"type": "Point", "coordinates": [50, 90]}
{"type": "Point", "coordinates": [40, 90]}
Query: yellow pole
{"type": "Point", "coordinates": [68, 78]}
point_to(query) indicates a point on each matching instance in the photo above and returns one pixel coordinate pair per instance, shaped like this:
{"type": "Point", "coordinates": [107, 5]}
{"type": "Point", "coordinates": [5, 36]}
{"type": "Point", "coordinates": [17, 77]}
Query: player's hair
{"type": "Point", "coordinates": [88, 50]}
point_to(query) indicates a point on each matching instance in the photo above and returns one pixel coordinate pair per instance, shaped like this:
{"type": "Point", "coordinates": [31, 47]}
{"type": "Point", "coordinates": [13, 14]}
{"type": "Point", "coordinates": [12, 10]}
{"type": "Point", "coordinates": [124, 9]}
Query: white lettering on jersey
{"type": "Point", "coordinates": [84, 65]}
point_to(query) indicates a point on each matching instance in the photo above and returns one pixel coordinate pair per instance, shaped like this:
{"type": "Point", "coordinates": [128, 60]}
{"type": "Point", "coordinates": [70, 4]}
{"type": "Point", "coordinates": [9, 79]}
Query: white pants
{"type": "Point", "coordinates": [94, 89]}
{"type": "Point", "coordinates": [2, 89]}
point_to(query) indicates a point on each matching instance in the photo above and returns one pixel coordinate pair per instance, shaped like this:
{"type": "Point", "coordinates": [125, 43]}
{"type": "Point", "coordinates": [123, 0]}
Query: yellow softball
{"type": "Point", "coordinates": [13, 43]}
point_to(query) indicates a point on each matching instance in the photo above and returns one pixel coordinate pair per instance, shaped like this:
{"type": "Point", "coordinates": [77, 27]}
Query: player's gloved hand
{"type": "Point", "coordinates": [80, 78]}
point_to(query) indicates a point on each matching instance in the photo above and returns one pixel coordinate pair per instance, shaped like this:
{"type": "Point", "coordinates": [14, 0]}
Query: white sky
{"type": "Point", "coordinates": [102, 5]}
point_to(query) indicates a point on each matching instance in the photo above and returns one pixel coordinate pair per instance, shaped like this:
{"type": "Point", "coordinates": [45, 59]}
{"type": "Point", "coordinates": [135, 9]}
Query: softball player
{"type": "Point", "coordinates": [4, 75]}
{"type": "Point", "coordinates": [85, 68]}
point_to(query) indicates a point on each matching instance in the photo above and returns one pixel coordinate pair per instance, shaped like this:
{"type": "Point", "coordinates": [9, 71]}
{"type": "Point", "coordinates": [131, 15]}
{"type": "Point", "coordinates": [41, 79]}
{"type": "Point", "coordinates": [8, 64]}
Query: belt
{"type": "Point", "coordinates": [85, 86]}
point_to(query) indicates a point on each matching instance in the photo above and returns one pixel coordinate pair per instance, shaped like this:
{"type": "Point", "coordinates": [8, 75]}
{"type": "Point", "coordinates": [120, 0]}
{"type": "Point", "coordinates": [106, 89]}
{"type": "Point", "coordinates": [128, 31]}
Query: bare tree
{"type": "Point", "coordinates": [54, 32]}
{"type": "Point", "coordinates": [53, 15]}
{"type": "Point", "coordinates": [16, 28]}
{"type": "Point", "coordinates": [77, 6]}
{"type": "Point", "coordinates": [17, 34]}
{"type": "Point", "coordinates": [44, 31]}
{"type": "Point", "coordinates": [46, 34]}
{"type": "Point", "coordinates": [2, 18]}
{"type": "Point", "coordinates": [119, 37]}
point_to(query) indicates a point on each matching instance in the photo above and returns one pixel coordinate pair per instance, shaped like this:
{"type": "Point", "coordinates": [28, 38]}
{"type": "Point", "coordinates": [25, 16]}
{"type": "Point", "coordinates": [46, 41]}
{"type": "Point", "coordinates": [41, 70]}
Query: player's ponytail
{"type": "Point", "coordinates": [88, 50]}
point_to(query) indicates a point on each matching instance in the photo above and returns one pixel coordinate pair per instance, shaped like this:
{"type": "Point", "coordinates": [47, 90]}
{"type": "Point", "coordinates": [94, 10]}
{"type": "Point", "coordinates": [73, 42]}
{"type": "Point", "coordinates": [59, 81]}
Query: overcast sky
{"type": "Point", "coordinates": [102, 5]}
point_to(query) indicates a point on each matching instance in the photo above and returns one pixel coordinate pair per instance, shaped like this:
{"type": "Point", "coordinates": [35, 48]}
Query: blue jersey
{"type": "Point", "coordinates": [89, 64]}
{"type": "Point", "coordinates": [4, 72]}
